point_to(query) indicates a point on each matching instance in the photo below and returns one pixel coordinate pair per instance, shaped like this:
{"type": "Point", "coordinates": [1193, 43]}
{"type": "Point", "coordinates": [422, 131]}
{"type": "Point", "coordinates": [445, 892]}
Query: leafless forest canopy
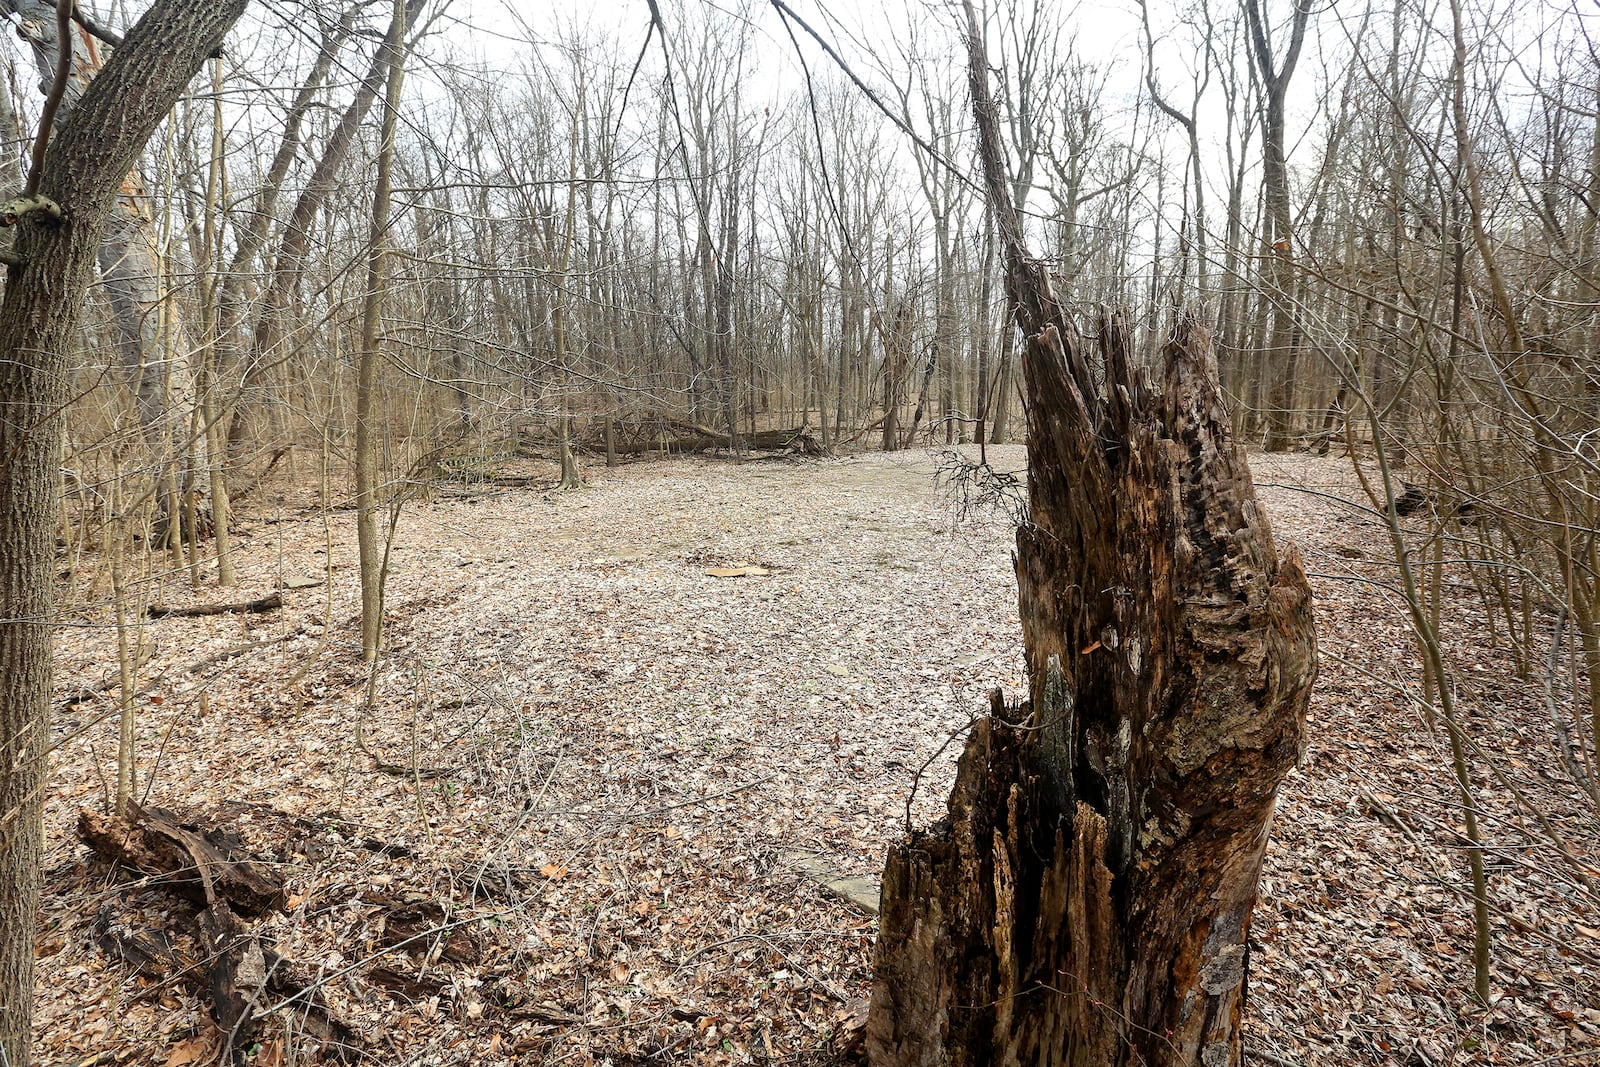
{"type": "Point", "coordinates": [697, 226]}
{"type": "Point", "coordinates": [711, 227]}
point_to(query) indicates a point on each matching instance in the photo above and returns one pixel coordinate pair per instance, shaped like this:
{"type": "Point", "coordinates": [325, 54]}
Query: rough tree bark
{"type": "Point", "coordinates": [153, 350]}
{"type": "Point", "coordinates": [82, 173]}
{"type": "Point", "coordinates": [1088, 900]}
{"type": "Point", "coordinates": [272, 333]}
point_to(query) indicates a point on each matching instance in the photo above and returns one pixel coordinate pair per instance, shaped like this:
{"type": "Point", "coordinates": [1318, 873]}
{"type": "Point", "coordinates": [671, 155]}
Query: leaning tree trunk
{"type": "Point", "coordinates": [152, 348]}
{"type": "Point", "coordinates": [1088, 900]}
{"type": "Point", "coordinates": [269, 344]}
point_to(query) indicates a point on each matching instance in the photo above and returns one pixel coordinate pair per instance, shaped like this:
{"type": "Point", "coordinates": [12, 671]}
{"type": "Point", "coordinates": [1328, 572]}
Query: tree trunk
{"type": "Point", "coordinates": [1283, 343]}
{"type": "Point", "coordinates": [922, 396]}
{"type": "Point", "coordinates": [1088, 900]}
{"type": "Point", "coordinates": [288, 264]}
{"type": "Point", "coordinates": [82, 172]}
{"type": "Point", "coordinates": [366, 458]}
{"type": "Point", "coordinates": [1000, 409]}
{"type": "Point", "coordinates": [724, 271]}
{"type": "Point", "coordinates": [152, 348]}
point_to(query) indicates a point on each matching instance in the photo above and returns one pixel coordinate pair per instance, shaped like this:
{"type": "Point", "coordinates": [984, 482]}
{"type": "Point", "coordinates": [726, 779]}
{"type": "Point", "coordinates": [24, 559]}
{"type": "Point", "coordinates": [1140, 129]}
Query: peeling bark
{"type": "Point", "coordinates": [1087, 901]}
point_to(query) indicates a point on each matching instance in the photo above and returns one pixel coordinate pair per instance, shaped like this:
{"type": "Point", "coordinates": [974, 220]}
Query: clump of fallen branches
{"type": "Point", "coordinates": [978, 492]}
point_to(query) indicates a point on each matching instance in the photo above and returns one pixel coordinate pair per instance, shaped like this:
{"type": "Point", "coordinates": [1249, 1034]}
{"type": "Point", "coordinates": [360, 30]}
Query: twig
{"type": "Point", "coordinates": [52, 103]}
{"type": "Point", "coordinates": [698, 800]}
{"type": "Point", "coordinates": [395, 769]}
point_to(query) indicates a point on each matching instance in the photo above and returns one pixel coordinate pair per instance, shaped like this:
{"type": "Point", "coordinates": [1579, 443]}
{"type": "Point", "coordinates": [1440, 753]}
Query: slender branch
{"type": "Point", "coordinates": [787, 13]}
{"type": "Point", "coordinates": [52, 103]}
{"type": "Point", "coordinates": [95, 29]}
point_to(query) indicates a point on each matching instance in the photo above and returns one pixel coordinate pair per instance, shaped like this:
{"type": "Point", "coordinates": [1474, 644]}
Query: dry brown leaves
{"type": "Point", "coordinates": [566, 830]}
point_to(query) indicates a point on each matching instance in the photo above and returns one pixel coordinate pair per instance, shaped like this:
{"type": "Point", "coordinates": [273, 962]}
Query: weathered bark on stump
{"type": "Point", "coordinates": [1088, 899]}
{"type": "Point", "coordinates": [238, 968]}
{"type": "Point", "coordinates": [157, 843]}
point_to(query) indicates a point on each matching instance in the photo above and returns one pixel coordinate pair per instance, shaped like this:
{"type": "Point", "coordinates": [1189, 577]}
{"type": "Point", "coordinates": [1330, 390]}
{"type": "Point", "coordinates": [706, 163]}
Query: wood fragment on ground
{"type": "Point", "coordinates": [155, 842]}
{"type": "Point", "coordinates": [270, 602]}
{"type": "Point", "coordinates": [241, 973]}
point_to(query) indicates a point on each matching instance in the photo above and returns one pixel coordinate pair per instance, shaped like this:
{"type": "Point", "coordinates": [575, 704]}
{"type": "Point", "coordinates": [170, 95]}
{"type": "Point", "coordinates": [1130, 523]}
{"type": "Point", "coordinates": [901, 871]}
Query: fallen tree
{"type": "Point", "coordinates": [689, 437]}
{"type": "Point", "coordinates": [1087, 901]}
{"type": "Point", "coordinates": [270, 602]}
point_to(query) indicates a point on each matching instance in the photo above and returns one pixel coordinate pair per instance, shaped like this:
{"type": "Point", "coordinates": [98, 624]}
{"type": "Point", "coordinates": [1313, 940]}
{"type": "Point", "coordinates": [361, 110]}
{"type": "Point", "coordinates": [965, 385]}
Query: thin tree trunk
{"type": "Point", "coordinates": [981, 332]}
{"type": "Point", "coordinates": [367, 367]}
{"type": "Point", "coordinates": [290, 260]}
{"type": "Point", "coordinates": [1283, 343]}
{"type": "Point", "coordinates": [922, 396]}
{"type": "Point", "coordinates": [210, 409]}
{"type": "Point", "coordinates": [1000, 432]}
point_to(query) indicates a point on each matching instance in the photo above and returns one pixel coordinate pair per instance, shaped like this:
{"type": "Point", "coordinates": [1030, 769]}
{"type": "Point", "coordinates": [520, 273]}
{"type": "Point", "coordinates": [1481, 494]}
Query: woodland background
{"type": "Point", "coordinates": [755, 230]}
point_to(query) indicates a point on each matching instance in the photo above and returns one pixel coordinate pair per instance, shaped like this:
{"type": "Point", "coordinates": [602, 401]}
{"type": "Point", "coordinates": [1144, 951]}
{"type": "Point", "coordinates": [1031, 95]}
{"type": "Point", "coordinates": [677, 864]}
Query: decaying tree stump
{"type": "Point", "coordinates": [1088, 899]}
{"type": "Point", "coordinates": [156, 842]}
{"type": "Point", "coordinates": [238, 966]}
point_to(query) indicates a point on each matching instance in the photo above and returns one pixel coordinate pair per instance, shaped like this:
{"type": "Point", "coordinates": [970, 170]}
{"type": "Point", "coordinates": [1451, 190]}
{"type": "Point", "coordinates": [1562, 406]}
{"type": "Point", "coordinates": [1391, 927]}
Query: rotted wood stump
{"type": "Point", "coordinates": [1087, 900]}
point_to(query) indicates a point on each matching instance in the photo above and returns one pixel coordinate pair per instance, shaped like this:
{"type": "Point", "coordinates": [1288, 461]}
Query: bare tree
{"type": "Point", "coordinates": [151, 336]}
{"type": "Point", "coordinates": [366, 457]}
{"type": "Point", "coordinates": [1283, 343]}
{"type": "Point", "coordinates": [1193, 237]}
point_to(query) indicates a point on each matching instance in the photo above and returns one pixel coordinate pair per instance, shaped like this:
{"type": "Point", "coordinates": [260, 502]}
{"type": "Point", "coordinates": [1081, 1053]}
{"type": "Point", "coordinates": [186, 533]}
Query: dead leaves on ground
{"type": "Point", "coordinates": [635, 743]}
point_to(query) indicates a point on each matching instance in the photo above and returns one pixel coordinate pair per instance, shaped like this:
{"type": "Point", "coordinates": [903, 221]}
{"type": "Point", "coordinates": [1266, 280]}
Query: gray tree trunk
{"type": "Point", "coordinates": [1283, 340]}
{"type": "Point", "coordinates": [290, 261]}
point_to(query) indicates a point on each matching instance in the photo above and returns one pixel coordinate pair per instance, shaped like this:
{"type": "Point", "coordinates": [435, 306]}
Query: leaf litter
{"type": "Point", "coordinates": [624, 738]}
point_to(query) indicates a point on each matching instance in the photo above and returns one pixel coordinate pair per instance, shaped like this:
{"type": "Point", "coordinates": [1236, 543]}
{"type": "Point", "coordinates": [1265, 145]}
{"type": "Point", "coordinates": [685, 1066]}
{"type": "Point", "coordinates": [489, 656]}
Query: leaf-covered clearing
{"type": "Point", "coordinates": [623, 734]}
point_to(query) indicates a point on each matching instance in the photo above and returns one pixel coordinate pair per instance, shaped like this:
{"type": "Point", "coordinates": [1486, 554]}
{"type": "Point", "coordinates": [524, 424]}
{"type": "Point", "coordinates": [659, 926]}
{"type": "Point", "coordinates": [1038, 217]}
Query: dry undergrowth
{"type": "Point", "coordinates": [594, 767]}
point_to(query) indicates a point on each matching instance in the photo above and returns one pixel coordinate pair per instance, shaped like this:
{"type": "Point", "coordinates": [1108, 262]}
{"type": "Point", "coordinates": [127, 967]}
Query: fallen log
{"type": "Point", "coordinates": [238, 967]}
{"type": "Point", "coordinates": [155, 843]}
{"type": "Point", "coordinates": [515, 481]}
{"type": "Point", "coordinates": [414, 987]}
{"type": "Point", "coordinates": [422, 928]}
{"type": "Point", "coordinates": [691, 437]}
{"type": "Point", "coordinates": [868, 428]}
{"type": "Point", "coordinates": [237, 494]}
{"type": "Point", "coordinates": [109, 681]}
{"type": "Point", "coordinates": [270, 602]}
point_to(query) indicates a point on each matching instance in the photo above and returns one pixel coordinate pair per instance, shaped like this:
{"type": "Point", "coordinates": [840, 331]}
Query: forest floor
{"type": "Point", "coordinates": [616, 727]}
